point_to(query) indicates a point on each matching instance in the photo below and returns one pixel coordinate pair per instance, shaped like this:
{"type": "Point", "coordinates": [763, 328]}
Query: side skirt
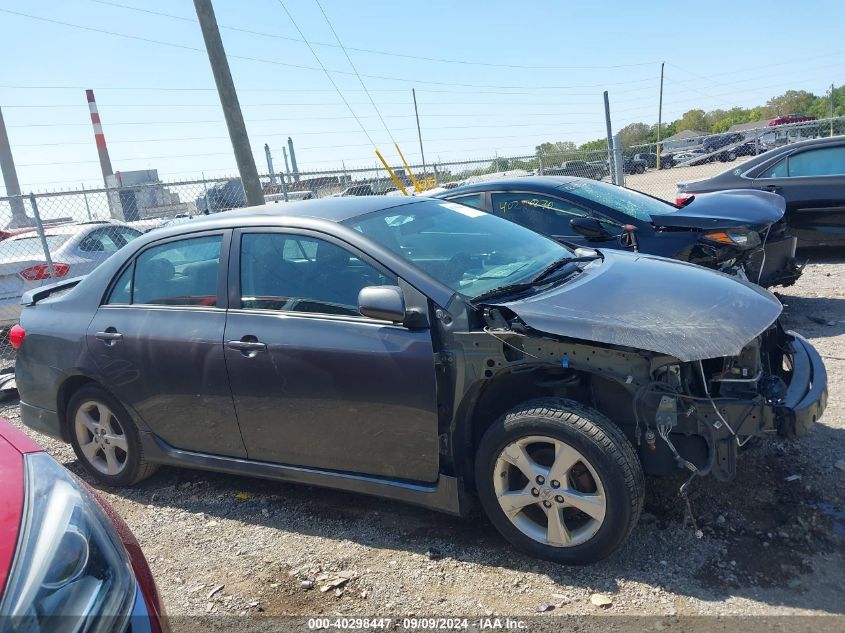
{"type": "Point", "coordinates": [445, 495]}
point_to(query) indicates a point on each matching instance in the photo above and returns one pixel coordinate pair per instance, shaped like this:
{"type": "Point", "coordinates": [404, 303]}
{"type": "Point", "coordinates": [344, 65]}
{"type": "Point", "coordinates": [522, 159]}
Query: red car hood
{"type": "Point", "coordinates": [13, 445]}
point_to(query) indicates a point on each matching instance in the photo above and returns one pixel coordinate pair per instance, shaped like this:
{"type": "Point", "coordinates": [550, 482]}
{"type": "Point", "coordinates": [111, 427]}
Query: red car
{"type": "Point", "coordinates": [790, 118]}
{"type": "Point", "coordinates": [68, 562]}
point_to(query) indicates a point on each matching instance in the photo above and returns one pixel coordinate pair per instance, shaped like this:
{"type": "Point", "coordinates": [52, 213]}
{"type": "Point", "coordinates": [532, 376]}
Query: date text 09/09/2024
{"type": "Point", "coordinates": [415, 624]}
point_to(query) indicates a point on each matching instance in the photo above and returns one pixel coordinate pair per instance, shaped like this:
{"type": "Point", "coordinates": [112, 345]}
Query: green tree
{"type": "Point", "coordinates": [600, 143]}
{"type": "Point", "coordinates": [791, 102]}
{"type": "Point", "coordinates": [634, 134]}
{"type": "Point", "coordinates": [695, 120]}
{"type": "Point", "coordinates": [558, 147]}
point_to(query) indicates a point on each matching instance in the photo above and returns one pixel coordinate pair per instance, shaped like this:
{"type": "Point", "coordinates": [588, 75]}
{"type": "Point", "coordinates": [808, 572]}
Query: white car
{"type": "Point", "coordinates": [75, 249]}
{"type": "Point", "coordinates": [683, 157]}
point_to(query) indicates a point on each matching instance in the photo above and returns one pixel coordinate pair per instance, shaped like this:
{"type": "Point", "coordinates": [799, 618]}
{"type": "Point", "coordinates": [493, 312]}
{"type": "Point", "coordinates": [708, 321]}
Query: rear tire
{"type": "Point", "coordinates": [559, 481]}
{"type": "Point", "coordinates": [105, 439]}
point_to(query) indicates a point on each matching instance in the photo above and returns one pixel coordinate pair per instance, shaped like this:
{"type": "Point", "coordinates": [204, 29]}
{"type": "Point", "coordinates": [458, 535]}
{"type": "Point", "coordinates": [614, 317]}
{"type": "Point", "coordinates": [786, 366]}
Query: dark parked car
{"type": "Point", "coordinates": [358, 190]}
{"type": "Point", "coordinates": [712, 143]}
{"type": "Point", "coordinates": [810, 175]}
{"type": "Point", "coordinates": [68, 562]}
{"type": "Point", "coordinates": [724, 232]}
{"type": "Point", "coordinates": [222, 197]}
{"type": "Point", "coordinates": [595, 170]}
{"type": "Point", "coordinates": [749, 148]}
{"type": "Point", "coordinates": [634, 165]}
{"type": "Point", "coordinates": [419, 350]}
{"type": "Point", "coordinates": [650, 159]}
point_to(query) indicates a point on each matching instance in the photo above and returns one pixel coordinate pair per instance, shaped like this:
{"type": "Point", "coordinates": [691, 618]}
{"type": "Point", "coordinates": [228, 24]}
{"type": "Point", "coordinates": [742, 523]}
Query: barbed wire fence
{"type": "Point", "coordinates": [52, 236]}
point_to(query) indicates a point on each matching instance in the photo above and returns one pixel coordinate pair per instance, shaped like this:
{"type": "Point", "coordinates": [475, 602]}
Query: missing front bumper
{"type": "Point", "coordinates": [806, 396]}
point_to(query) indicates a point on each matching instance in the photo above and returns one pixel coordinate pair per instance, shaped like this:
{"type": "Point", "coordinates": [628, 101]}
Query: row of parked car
{"type": "Point", "coordinates": [530, 343]}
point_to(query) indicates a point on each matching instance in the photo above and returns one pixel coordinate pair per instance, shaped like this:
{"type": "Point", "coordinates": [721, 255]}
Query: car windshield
{"type": "Point", "coordinates": [470, 251]}
{"type": "Point", "coordinates": [632, 203]}
{"type": "Point", "coordinates": [30, 247]}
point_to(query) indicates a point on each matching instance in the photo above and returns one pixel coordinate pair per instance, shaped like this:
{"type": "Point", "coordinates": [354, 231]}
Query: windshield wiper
{"type": "Point", "coordinates": [509, 289]}
{"type": "Point", "coordinates": [560, 263]}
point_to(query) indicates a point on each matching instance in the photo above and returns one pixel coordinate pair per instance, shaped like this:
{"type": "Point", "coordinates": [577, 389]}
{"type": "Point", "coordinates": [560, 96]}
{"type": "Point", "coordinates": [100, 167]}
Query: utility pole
{"type": "Point", "coordinates": [831, 109]}
{"type": "Point", "coordinates": [270, 164]}
{"type": "Point", "coordinates": [610, 161]}
{"type": "Point", "coordinates": [287, 168]}
{"type": "Point", "coordinates": [660, 114]}
{"type": "Point", "coordinates": [10, 180]}
{"type": "Point", "coordinates": [229, 102]}
{"type": "Point", "coordinates": [293, 160]}
{"type": "Point", "coordinates": [419, 133]}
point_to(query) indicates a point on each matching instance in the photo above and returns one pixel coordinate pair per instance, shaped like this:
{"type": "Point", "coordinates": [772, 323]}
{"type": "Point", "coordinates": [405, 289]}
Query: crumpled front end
{"type": "Point", "coordinates": [777, 384]}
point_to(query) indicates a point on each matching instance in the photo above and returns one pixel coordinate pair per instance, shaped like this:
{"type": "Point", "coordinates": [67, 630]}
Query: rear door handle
{"type": "Point", "coordinates": [247, 346]}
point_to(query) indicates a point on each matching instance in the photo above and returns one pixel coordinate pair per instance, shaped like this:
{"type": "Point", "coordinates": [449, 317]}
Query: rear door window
{"type": "Point", "coordinates": [544, 214]}
{"type": "Point", "coordinates": [178, 273]}
{"type": "Point", "coordinates": [108, 239]}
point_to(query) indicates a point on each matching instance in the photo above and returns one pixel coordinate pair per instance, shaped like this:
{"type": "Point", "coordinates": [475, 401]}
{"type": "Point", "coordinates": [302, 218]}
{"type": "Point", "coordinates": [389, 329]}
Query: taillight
{"type": "Point", "coordinates": [682, 196]}
{"type": "Point", "coordinates": [16, 336]}
{"type": "Point", "coordinates": [43, 271]}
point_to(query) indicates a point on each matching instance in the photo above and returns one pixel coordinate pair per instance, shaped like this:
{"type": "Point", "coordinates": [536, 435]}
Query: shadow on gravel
{"type": "Point", "coordinates": [765, 536]}
{"type": "Point", "coordinates": [813, 317]}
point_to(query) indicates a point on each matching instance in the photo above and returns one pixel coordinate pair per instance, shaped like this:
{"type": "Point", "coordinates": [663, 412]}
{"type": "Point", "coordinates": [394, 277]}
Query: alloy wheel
{"type": "Point", "coordinates": [549, 491]}
{"type": "Point", "coordinates": [101, 438]}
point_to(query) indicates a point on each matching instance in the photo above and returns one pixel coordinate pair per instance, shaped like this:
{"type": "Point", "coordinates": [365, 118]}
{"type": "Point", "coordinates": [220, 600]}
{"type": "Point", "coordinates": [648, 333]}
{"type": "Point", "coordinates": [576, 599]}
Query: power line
{"type": "Point", "coordinates": [386, 53]}
{"type": "Point", "coordinates": [361, 81]}
{"type": "Point", "coordinates": [299, 66]}
{"type": "Point", "coordinates": [312, 118]}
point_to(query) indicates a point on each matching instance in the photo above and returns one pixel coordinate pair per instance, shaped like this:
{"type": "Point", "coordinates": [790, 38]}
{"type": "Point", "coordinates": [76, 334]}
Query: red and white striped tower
{"type": "Point", "coordinates": [99, 137]}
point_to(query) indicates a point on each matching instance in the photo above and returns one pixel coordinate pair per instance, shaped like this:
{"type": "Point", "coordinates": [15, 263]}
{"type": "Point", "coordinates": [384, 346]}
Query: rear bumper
{"type": "Point", "coordinates": [42, 420]}
{"type": "Point", "coordinates": [806, 396]}
{"type": "Point", "coordinates": [10, 311]}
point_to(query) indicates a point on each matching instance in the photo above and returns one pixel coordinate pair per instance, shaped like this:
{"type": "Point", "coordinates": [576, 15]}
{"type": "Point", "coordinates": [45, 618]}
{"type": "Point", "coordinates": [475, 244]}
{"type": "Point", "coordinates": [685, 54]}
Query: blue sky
{"type": "Point", "coordinates": [536, 73]}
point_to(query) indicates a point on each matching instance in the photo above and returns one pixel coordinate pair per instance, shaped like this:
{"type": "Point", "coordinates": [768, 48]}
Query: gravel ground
{"type": "Point", "coordinates": [771, 544]}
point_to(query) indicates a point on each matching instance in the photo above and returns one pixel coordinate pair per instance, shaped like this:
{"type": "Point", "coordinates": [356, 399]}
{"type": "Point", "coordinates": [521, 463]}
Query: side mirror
{"type": "Point", "coordinates": [590, 228]}
{"type": "Point", "coordinates": [382, 302]}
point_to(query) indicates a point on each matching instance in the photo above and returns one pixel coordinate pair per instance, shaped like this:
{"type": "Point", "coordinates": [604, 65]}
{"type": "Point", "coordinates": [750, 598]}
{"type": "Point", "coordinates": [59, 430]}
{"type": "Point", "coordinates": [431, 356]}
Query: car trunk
{"type": "Point", "coordinates": [727, 210]}
{"type": "Point", "coordinates": [11, 283]}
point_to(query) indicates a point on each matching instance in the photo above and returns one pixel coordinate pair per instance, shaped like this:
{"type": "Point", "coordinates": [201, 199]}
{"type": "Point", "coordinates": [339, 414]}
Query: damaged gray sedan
{"type": "Point", "coordinates": [418, 350]}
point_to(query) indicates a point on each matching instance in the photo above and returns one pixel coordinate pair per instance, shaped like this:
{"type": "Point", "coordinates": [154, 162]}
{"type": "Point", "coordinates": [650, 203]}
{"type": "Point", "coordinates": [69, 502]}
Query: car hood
{"type": "Point", "coordinates": [726, 209]}
{"type": "Point", "coordinates": [654, 304]}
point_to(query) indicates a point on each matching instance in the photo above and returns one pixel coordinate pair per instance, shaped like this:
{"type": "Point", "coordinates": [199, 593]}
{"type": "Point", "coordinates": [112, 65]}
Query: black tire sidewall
{"type": "Point", "coordinates": [618, 515]}
{"type": "Point", "coordinates": [133, 459]}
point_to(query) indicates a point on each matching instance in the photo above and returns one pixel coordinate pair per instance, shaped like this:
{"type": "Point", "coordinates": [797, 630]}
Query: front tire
{"type": "Point", "coordinates": [105, 439]}
{"type": "Point", "coordinates": [559, 481]}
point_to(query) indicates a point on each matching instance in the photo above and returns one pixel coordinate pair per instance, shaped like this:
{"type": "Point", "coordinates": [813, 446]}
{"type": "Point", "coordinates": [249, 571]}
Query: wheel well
{"type": "Point", "coordinates": [65, 393]}
{"type": "Point", "coordinates": [505, 391]}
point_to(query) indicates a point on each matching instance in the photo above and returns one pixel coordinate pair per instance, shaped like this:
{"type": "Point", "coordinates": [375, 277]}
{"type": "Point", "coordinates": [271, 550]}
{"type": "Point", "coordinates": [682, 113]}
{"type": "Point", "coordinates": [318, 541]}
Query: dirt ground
{"type": "Point", "coordinates": [771, 543]}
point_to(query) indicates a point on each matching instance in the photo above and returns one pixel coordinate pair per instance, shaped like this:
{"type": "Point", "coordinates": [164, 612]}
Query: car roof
{"type": "Point", "coordinates": [328, 209]}
{"type": "Point", "coordinates": [325, 209]}
{"type": "Point", "coordinates": [547, 183]}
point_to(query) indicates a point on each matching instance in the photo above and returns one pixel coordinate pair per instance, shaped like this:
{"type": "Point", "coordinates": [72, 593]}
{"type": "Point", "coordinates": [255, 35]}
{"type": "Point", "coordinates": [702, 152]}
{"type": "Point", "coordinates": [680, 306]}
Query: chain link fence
{"type": "Point", "coordinates": [54, 236]}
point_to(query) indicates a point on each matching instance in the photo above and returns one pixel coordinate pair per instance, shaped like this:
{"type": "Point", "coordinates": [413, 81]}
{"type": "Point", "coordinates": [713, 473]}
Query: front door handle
{"type": "Point", "coordinates": [110, 336]}
{"type": "Point", "coordinates": [772, 188]}
{"type": "Point", "coordinates": [247, 347]}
